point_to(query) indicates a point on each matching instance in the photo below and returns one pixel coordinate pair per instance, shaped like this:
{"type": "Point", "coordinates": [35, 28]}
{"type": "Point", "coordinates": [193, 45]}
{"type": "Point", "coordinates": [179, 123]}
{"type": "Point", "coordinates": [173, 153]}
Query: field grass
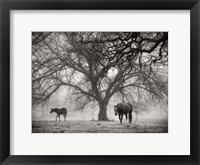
{"type": "Point", "coordinates": [97, 127]}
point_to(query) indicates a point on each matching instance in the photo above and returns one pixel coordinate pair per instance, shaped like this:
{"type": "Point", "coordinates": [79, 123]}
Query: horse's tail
{"type": "Point", "coordinates": [64, 110]}
{"type": "Point", "coordinates": [130, 114]}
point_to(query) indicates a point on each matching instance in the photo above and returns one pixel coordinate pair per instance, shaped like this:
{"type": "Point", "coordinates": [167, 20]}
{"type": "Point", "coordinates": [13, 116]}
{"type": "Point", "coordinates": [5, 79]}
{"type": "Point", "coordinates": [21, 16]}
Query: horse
{"type": "Point", "coordinates": [61, 111]}
{"type": "Point", "coordinates": [123, 108]}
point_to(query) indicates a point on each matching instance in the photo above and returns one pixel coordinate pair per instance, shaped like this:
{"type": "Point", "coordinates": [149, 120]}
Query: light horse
{"type": "Point", "coordinates": [61, 111]}
{"type": "Point", "coordinates": [123, 109]}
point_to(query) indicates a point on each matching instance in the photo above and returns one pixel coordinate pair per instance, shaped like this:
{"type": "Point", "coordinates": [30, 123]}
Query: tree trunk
{"type": "Point", "coordinates": [102, 116]}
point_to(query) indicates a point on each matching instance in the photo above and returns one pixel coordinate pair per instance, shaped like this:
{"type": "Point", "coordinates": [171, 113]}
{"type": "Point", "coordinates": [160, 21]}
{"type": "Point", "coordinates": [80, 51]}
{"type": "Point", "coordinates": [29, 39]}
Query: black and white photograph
{"type": "Point", "coordinates": [99, 82]}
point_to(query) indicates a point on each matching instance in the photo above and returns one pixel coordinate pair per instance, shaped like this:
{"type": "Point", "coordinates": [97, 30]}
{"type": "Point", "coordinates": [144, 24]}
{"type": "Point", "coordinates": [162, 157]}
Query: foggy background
{"type": "Point", "coordinates": [146, 112]}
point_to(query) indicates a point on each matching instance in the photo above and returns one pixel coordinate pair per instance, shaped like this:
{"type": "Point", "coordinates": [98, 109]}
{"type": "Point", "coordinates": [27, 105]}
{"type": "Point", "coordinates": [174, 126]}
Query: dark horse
{"type": "Point", "coordinates": [123, 108]}
{"type": "Point", "coordinates": [61, 111]}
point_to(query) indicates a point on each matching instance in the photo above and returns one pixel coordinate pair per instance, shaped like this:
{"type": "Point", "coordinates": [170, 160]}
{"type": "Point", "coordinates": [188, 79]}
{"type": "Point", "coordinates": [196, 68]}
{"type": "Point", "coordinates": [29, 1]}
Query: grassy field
{"type": "Point", "coordinates": [97, 127]}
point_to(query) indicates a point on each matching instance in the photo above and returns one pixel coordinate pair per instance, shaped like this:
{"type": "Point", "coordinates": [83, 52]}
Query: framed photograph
{"type": "Point", "coordinates": [100, 82]}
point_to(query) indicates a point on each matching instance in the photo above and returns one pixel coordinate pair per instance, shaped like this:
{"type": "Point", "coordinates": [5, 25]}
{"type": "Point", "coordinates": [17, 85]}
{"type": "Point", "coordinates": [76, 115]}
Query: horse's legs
{"type": "Point", "coordinates": [130, 117]}
{"type": "Point", "coordinates": [59, 117]}
{"type": "Point", "coordinates": [121, 118]}
{"type": "Point", "coordinates": [126, 116]}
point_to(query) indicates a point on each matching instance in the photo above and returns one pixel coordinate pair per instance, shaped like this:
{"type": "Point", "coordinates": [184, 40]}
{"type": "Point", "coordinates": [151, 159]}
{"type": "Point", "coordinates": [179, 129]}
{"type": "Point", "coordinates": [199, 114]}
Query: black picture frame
{"type": "Point", "coordinates": [7, 5]}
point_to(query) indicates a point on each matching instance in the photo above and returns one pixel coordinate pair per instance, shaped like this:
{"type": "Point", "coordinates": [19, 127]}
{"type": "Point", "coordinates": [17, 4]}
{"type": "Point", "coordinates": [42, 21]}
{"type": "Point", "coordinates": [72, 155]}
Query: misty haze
{"type": "Point", "coordinates": [99, 82]}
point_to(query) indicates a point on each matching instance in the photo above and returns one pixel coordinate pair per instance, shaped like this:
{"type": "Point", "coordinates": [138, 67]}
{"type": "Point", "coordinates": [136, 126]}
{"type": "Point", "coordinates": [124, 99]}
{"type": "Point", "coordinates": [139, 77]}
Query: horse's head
{"type": "Point", "coordinates": [115, 110]}
{"type": "Point", "coordinates": [52, 110]}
